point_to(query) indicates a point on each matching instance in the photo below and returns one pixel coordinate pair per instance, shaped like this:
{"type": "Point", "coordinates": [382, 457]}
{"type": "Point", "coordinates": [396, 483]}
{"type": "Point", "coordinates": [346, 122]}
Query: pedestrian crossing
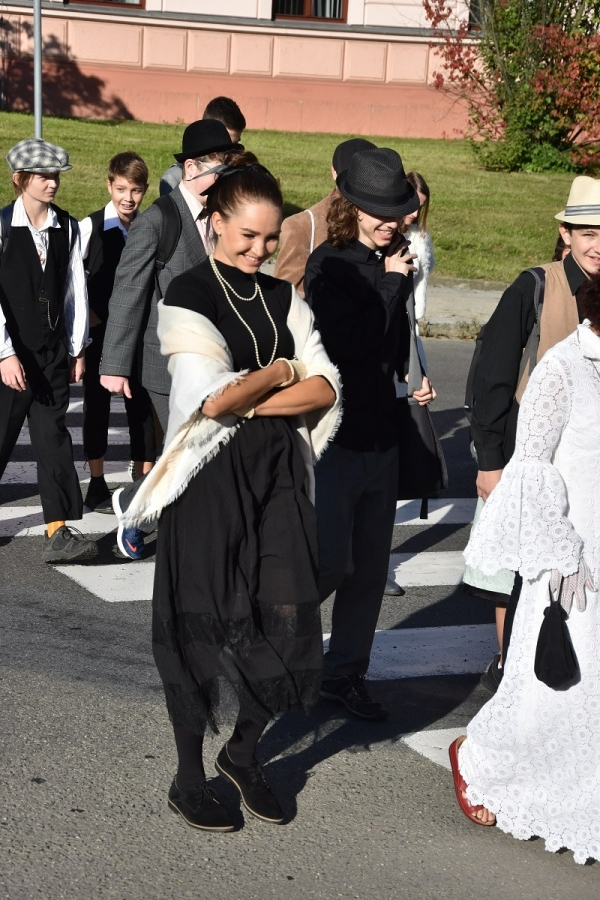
{"type": "Point", "coordinates": [430, 651]}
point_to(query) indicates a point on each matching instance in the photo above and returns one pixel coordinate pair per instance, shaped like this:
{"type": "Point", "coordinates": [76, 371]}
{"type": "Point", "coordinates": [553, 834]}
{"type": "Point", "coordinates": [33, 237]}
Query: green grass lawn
{"type": "Point", "coordinates": [484, 225]}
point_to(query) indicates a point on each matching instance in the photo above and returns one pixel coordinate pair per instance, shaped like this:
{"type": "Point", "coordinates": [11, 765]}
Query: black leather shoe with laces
{"type": "Point", "coordinates": [199, 807]}
{"type": "Point", "coordinates": [352, 692]}
{"type": "Point", "coordinates": [256, 794]}
{"type": "Point", "coordinates": [67, 544]}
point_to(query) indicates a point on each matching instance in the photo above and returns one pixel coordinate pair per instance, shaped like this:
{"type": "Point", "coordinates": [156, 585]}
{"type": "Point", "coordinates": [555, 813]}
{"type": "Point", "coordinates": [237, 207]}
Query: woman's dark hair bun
{"type": "Point", "coordinates": [244, 181]}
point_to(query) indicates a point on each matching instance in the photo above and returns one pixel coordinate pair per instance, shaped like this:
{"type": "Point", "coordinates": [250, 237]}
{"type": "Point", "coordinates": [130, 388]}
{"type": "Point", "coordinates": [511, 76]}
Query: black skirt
{"type": "Point", "coordinates": [236, 616]}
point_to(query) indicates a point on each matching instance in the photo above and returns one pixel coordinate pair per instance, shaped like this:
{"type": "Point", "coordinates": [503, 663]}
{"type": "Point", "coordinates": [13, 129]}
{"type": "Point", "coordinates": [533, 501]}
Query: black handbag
{"type": "Point", "coordinates": [422, 465]}
{"type": "Point", "coordinates": [555, 660]}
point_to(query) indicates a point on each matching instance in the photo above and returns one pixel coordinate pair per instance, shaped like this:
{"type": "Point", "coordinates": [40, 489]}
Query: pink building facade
{"type": "Point", "coordinates": [358, 66]}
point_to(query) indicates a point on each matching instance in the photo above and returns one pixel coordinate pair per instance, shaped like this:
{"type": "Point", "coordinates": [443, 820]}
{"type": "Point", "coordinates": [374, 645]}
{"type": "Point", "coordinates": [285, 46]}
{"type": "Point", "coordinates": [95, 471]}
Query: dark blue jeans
{"type": "Point", "coordinates": [356, 505]}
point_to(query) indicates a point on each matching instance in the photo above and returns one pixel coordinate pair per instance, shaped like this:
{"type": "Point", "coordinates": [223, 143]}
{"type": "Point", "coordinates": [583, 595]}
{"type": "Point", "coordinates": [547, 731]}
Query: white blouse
{"type": "Point", "coordinates": [545, 512]}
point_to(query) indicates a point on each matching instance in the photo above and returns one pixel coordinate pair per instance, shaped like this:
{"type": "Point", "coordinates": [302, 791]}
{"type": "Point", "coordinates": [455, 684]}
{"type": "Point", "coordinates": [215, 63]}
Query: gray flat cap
{"type": "Point", "coordinates": [36, 155]}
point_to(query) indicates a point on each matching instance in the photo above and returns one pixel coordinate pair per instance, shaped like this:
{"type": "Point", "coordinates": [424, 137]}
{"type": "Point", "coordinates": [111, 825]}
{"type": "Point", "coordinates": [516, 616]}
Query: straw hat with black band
{"type": "Point", "coordinates": [375, 181]}
{"type": "Point", "coordinates": [583, 205]}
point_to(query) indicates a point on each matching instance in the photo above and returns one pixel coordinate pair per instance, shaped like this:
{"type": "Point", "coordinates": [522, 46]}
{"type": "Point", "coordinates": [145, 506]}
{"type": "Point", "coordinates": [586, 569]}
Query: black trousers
{"type": "Point", "coordinates": [96, 409]}
{"type": "Point", "coordinates": [356, 505]}
{"type": "Point", "coordinates": [44, 403]}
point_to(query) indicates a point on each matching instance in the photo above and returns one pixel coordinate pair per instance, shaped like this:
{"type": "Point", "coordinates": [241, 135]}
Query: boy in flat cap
{"type": "Point", "coordinates": [43, 333]}
{"type": "Point", "coordinates": [140, 283]}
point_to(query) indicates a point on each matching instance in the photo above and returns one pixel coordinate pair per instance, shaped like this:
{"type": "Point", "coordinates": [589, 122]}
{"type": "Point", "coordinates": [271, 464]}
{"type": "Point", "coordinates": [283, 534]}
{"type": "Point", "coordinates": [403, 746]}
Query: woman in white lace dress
{"type": "Point", "coordinates": [531, 758]}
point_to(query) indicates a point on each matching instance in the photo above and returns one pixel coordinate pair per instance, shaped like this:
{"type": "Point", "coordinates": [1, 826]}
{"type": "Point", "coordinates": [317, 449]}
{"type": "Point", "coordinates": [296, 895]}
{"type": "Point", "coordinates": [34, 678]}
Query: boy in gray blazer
{"type": "Point", "coordinates": [139, 285]}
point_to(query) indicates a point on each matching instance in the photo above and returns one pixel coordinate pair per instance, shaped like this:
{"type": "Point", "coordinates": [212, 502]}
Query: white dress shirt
{"type": "Point", "coordinates": [75, 306]}
{"type": "Point", "coordinates": [111, 220]}
{"type": "Point", "coordinates": [200, 217]}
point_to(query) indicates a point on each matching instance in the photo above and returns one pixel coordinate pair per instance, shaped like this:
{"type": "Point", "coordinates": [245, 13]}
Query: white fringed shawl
{"type": "Point", "coordinates": [201, 366]}
{"type": "Point", "coordinates": [422, 246]}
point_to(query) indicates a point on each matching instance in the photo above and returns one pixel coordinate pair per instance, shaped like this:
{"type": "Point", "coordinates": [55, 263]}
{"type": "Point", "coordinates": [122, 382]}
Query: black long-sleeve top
{"type": "Point", "coordinates": [494, 417]}
{"type": "Point", "coordinates": [360, 311]}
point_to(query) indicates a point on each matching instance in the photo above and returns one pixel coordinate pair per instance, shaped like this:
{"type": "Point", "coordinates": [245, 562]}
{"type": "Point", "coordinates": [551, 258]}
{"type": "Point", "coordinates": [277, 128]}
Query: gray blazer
{"type": "Point", "coordinates": [133, 311]}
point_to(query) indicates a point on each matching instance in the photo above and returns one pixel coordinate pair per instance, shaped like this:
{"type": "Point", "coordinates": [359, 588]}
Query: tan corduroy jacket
{"type": "Point", "coordinates": [295, 242]}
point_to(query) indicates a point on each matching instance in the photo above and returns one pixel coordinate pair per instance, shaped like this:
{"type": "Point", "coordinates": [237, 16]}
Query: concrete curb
{"type": "Point", "coordinates": [468, 284]}
{"type": "Point", "coordinates": [454, 329]}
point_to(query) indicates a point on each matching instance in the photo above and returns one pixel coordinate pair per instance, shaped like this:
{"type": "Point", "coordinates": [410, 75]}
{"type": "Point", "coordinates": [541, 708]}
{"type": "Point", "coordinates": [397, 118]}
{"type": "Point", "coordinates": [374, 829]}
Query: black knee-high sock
{"type": "Point", "coordinates": [241, 746]}
{"type": "Point", "coordinates": [190, 768]}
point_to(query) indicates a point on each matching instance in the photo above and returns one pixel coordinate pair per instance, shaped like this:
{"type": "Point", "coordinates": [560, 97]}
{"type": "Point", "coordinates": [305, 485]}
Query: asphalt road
{"type": "Point", "coordinates": [87, 754]}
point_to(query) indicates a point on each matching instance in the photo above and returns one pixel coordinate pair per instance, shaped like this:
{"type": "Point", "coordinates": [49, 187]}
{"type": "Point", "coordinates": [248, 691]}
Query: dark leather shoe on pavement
{"type": "Point", "coordinates": [98, 497]}
{"type": "Point", "coordinates": [68, 545]}
{"type": "Point", "coordinates": [392, 589]}
{"type": "Point", "coordinates": [352, 692]}
{"type": "Point", "coordinates": [492, 676]}
{"type": "Point", "coordinates": [199, 807]}
{"type": "Point", "coordinates": [256, 794]}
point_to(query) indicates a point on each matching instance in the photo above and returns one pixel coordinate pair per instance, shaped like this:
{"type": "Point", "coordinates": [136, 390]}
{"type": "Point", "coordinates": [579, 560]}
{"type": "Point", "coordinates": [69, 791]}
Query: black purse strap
{"type": "Point", "coordinates": [560, 588]}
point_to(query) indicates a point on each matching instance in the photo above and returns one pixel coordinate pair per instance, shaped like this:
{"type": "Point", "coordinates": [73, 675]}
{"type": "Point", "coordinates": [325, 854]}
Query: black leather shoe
{"type": "Point", "coordinates": [492, 676]}
{"type": "Point", "coordinates": [199, 807]}
{"type": "Point", "coordinates": [352, 692]}
{"type": "Point", "coordinates": [99, 497]}
{"type": "Point", "coordinates": [256, 794]}
{"type": "Point", "coordinates": [392, 589]}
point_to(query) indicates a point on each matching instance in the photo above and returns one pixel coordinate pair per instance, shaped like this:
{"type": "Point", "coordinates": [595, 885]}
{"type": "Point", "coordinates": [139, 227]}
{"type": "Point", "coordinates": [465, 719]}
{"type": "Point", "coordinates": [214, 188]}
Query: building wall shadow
{"type": "Point", "coordinates": [66, 90]}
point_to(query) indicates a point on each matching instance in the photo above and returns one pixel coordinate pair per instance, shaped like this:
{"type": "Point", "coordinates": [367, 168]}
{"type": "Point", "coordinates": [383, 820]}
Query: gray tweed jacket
{"type": "Point", "coordinates": [133, 312]}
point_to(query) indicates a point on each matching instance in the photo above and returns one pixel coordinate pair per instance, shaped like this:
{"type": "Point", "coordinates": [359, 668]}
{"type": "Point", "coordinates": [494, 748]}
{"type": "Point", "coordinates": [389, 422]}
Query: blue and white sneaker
{"type": "Point", "coordinates": [129, 540]}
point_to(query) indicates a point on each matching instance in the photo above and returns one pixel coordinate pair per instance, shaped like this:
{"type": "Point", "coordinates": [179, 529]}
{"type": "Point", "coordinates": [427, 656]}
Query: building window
{"type": "Point", "coordinates": [475, 15]}
{"type": "Point", "coordinates": [323, 10]}
{"type": "Point", "coordinates": [141, 4]}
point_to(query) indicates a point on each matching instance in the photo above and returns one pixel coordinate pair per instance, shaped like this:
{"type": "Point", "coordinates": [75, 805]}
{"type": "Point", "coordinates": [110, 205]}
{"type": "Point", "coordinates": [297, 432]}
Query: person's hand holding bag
{"type": "Point", "coordinates": [574, 587]}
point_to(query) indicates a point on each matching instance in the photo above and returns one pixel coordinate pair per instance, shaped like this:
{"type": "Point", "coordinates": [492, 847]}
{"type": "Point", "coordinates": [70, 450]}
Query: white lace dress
{"type": "Point", "coordinates": [532, 754]}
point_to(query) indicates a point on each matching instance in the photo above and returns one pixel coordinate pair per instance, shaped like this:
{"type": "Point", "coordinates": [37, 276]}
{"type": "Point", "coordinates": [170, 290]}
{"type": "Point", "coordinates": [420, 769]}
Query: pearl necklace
{"type": "Point", "coordinates": [257, 291]}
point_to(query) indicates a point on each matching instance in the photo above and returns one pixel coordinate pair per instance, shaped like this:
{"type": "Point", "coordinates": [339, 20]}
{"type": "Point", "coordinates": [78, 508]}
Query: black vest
{"type": "Point", "coordinates": [103, 257]}
{"type": "Point", "coordinates": [32, 298]}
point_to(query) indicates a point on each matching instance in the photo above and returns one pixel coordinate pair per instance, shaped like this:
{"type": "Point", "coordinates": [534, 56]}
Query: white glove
{"type": "Point", "coordinates": [573, 587]}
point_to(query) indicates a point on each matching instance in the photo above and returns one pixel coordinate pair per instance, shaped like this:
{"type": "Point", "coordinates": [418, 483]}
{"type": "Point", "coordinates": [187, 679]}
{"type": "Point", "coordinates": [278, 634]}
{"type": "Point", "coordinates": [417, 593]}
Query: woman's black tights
{"type": "Point", "coordinates": [241, 748]}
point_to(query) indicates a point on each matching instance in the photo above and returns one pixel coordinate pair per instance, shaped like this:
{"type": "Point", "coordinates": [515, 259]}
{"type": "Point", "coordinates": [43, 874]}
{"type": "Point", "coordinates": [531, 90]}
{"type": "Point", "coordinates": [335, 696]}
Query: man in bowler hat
{"type": "Point", "coordinates": [133, 311]}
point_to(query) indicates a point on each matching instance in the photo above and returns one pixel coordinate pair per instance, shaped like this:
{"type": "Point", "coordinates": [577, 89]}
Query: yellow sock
{"type": "Point", "coordinates": [51, 527]}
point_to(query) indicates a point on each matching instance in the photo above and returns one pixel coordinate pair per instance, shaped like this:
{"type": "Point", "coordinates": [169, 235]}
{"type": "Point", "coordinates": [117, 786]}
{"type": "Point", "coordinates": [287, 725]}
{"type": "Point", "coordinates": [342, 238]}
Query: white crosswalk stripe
{"type": "Point", "coordinates": [115, 471]}
{"type": "Point", "coordinates": [118, 435]}
{"type": "Point", "coordinates": [441, 567]}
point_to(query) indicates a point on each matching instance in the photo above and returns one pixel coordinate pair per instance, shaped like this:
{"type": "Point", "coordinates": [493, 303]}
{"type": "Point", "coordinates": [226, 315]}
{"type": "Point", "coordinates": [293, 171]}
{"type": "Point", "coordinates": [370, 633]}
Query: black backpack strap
{"type": "Point", "coordinates": [169, 236]}
{"type": "Point", "coordinates": [95, 244]}
{"type": "Point", "coordinates": [530, 352]}
{"type": "Point", "coordinates": [65, 220]}
{"type": "Point", "coordinates": [6, 214]}
{"type": "Point", "coordinates": [539, 274]}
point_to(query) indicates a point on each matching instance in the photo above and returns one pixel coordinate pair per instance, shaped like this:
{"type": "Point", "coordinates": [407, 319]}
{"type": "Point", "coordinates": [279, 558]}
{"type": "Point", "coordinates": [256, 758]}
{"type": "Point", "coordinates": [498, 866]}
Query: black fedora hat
{"type": "Point", "coordinates": [202, 138]}
{"type": "Point", "coordinates": [376, 182]}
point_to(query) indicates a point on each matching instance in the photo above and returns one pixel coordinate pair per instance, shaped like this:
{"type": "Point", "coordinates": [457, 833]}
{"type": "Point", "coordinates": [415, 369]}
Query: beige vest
{"type": "Point", "coordinates": [559, 316]}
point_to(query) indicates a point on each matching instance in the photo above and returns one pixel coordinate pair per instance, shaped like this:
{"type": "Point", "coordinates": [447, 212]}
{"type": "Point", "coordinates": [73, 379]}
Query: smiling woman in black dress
{"type": "Point", "coordinates": [236, 607]}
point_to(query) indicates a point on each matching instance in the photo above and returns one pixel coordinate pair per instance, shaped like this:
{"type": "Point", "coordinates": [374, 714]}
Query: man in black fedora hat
{"type": "Point", "coordinates": [358, 283]}
{"type": "Point", "coordinates": [224, 110]}
{"type": "Point", "coordinates": [166, 240]}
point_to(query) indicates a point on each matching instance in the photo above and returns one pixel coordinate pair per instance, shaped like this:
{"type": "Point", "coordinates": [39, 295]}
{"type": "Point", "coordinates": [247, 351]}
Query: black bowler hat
{"type": "Point", "coordinates": [376, 182]}
{"type": "Point", "coordinates": [202, 138]}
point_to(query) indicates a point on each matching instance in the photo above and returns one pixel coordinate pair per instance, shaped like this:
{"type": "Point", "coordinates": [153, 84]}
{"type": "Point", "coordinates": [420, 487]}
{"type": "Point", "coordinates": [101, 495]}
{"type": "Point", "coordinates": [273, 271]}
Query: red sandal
{"type": "Point", "coordinates": [460, 785]}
